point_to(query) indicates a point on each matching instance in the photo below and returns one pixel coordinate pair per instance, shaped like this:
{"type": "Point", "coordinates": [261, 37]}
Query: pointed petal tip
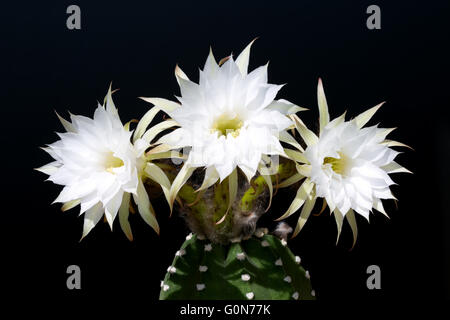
{"type": "Point", "coordinates": [113, 91]}
{"type": "Point", "coordinates": [278, 219]}
{"type": "Point", "coordinates": [129, 237]}
{"type": "Point", "coordinates": [222, 219]}
{"type": "Point", "coordinates": [170, 208]}
{"type": "Point", "coordinates": [83, 236]}
{"type": "Point", "coordinates": [223, 60]}
{"type": "Point", "coordinates": [211, 54]}
{"type": "Point", "coordinates": [147, 99]}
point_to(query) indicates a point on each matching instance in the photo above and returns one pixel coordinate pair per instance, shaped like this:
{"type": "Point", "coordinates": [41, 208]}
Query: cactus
{"type": "Point", "coordinates": [233, 259]}
{"type": "Point", "coordinates": [257, 268]}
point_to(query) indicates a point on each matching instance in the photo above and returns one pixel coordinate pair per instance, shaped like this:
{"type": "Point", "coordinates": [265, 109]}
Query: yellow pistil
{"type": "Point", "coordinates": [224, 125]}
{"type": "Point", "coordinates": [112, 163]}
{"type": "Point", "coordinates": [339, 165]}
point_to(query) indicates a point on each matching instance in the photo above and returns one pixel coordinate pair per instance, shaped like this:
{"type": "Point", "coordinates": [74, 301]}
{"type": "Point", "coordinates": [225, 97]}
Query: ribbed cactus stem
{"type": "Point", "coordinates": [257, 268]}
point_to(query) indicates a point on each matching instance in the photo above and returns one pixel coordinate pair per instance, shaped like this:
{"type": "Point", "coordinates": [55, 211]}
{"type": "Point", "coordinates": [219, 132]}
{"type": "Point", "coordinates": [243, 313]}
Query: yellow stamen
{"type": "Point", "coordinates": [224, 125]}
{"type": "Point", "coordinates": [112, 163]}
{"type": "Point", "coordinates": [339, 165]}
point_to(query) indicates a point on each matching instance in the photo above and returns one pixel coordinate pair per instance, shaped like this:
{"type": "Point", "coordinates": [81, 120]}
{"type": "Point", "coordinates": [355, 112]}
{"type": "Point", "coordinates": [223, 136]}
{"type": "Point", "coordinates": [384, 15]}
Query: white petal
{"type": "Point", "coordinates": [176, 139]}
{"type": "Point", "coordinates": [243, 58]}
{"type": "Point", "coordinates": [284, 107]}
{"type": "Point", "coordinates": [91, 218]}
{"type": "Point", "coordinates": [112, 208]}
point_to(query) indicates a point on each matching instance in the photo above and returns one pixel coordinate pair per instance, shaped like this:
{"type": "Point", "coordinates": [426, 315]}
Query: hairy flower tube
{"type": "Point", "coordinates": [347, 164]}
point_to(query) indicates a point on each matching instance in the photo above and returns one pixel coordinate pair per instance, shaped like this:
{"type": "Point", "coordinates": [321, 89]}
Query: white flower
{"type": "Point", "coordinates": [346, 165]}
{"type": "Point", "coordinates": [99, 168]}
{"type": "Point", "coordinates": [228, 120]}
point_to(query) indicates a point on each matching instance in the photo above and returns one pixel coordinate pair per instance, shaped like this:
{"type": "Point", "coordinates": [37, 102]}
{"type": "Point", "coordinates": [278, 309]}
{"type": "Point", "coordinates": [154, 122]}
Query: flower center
{"type": "Point", "coordinates": [339, 165]}
{"type": "Point", "coordinates": [225, 125]}
{"type": "Point", "coordinates": [112, 163]}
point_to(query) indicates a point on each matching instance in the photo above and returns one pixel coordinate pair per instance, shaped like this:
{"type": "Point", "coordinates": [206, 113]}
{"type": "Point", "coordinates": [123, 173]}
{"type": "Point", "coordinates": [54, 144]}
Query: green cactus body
{"type": "Point", "coordinates": [257, 268]}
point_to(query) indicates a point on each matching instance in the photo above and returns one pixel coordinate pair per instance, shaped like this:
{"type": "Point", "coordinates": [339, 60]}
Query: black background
{"type": "Point", "coordinates": [46, 67]}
